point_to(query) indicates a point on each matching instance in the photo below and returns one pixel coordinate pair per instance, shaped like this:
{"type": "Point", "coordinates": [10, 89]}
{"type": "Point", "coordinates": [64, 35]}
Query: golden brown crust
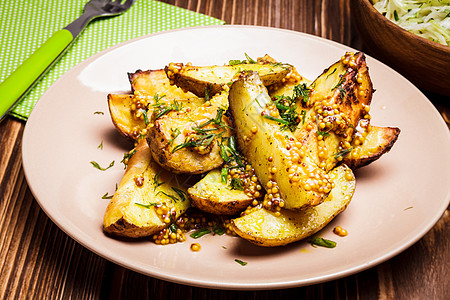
{"type": "Point", "coordinates": [123, 228]}
{"type": "Point", "coordinates": [371, 150]}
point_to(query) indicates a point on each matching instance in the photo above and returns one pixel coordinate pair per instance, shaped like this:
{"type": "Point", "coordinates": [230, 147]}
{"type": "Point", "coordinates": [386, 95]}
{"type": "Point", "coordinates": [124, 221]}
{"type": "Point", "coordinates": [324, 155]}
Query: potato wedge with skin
{"type": "Point", "coordinates": [379, 140]}
{"type": "Point", "coordinates": [132, 212]}
{"type": "Point", "coordinates": [262, 227]}
{"type": "Point", "coordinates": [180, 143]}
{"type": "Point", "coordinates": [124, 117]}
{"type": "Point", "coordinates": [213, 79]}
{"type": "Point", "coordinates": [153, 82]}
{"type": "Point", "coordinates": [376, 142]}
{"type": "Point", "coordinates": [275, 154]}
{"type": "Point", "coordinates": [212, 195]}
{"type": "Point", "coordinates": [339, 99]}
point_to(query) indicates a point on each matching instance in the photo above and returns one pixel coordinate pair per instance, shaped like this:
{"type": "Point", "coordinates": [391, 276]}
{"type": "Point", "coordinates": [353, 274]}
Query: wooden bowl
{"type": "Point", "coordinates": [425, 63]}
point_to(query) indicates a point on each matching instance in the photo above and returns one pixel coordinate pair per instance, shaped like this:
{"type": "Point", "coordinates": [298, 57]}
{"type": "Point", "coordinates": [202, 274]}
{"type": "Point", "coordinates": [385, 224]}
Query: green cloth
{"type": "Point", "coordinates": [26, 24]}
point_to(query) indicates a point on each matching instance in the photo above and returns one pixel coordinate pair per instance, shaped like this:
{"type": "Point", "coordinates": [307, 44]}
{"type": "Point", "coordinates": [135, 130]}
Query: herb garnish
{"type": "Point", "coordinates": [144, 113]}
{"type": "Point", "coordinates": [168, 195]}
{"type": "Point", "coordinates": [343, 152]}
{"type": "Point", "coordinates": [229, 153]}
{"type": "Point", "coordinates": [341, 81]}
{"type": "Point", "coordinates": [157, 97]}
{"type": "Point", "coordinates": [287, 108]}
{"type": "Point", "coordinates": [100, 146]}
{"type": "Point", "coordinates": [224, 175]}
{"type": "Point", "coordinates": [99, 113]}
{"type": "Point", "coordinates": [302, 90]}
{"type": "Point", "coordinates": [234, 62]}
{"type": "Point", "coordinates": [303, 113]}
{"type": "Point", "coordinates": [319, 132]}
{"type": "Point", "coordinates": [196, 141]}
{"type": "Point", "coordinates": [106, 196]}
{"type": "Point", "coordinates": [338, 86]}
{"type": "Point", "coordinates": [242, 263]}
{"type": "Point", "coordinates": [164, 108]}
{"type": "Point", "coordinates": [249, 60]}
{"type": "Point", "coordinates": [281, 121]}
{"type": "Point", "coordinates": [174, 134]}
{"type": "Point", "coordinates": [322, 133]}
{"type": "Point", "coordinates": [331, 73]}
{"type": "Point", "coordinates": [127, 157]}
{"type": "Point", "coordinates": [218, 229]}
{"type": "Point", "coordinates": [183, 196]}
{"type": "Point", "coordinates": [145, 205]}
{"type": "Point", "coordinates": [208, 90]}
{"type": "Point", "coordinates": [204, 137]}
{"type": "Point", "coordinates": [173, 228]}
{"type": "Point", "coordinates": [318, 241]}
{"type": "Point", "coordinates": [96, 165]}
{"type": "Point", "coordinates": [237, 184]}
{"type": "Point", "coordinates": [199, 233]}
{"type": "Point", "coordinates": [156, 180]}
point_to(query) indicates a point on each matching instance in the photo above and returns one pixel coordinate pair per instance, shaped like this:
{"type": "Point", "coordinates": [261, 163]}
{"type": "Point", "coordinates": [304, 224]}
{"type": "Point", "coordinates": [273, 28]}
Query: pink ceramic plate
{"type": "Point", "coordinates": [397, 199]}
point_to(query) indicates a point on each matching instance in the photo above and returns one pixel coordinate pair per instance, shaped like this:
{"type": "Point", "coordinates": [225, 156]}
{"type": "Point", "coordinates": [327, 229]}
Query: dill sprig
{"type": "Point", "coordinates": [205, 136]}
{"type": "Point", "coordinates": [156, 180]}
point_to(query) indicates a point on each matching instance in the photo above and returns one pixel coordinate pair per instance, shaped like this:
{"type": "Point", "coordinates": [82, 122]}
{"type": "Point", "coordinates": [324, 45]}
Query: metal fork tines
{"type": "Point", "coordinates": [98, 8]}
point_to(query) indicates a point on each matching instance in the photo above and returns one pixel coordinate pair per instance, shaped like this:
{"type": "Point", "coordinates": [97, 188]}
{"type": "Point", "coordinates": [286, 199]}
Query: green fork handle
{"type": "Point", "coordinates": [23, 78]}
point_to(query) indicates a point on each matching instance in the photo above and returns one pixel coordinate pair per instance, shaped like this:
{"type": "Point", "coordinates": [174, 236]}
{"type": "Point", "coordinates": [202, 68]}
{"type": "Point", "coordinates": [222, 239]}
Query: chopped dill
{"type": "Point", "coordinates": [144, 113]}
{"type": "Point", "coordinates": [237, 184]}
{"type": "Point", "coordinates": [106, 196]}
{"type": "Point", "coordinates": [174, 134]}
{"type": "Point", "coordinates": [127, 156]}
{"type": "Point", "coordinates": [183, 196]}
{"type": "Point", "coordinates": [199, 233]}
{"type": "Point", "coordinates": [342, 153]}
{"type": "Point", "coordinates": [156, 180]}
{"type": "Point", "coordinates": [318, 241]}
{"type": "Point", "coordinates": [302, 90]}
{"type": "Point", "coordinates": [145, 205]}
{"type": "Point", "coordinates": [97, 166]}
{"type": "Point", "coordinates": [204, 137]}
{"type": "Point", "coordinates": [169, 196]}
{"type": "Point", "coordinates": [242, 263]}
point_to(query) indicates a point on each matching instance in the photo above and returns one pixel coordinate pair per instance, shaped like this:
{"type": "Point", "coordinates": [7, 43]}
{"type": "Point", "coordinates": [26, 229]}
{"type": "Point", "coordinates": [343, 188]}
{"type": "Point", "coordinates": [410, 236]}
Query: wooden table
{"type": "Point", "coordinates": [39, 261]}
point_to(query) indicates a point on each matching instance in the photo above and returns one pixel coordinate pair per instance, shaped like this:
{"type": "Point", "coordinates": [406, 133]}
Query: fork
{"type": "Point", "coordinates": [13, 88]}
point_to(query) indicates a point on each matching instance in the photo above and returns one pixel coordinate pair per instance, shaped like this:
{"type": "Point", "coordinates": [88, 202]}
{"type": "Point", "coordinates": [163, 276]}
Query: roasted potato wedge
{"type": "Point", "coordinates": [379, 140]}
{"type": "Point", "coordinates": [145, 188]}
{"type": "Point", "coordinates": [210, 80]}
{"type": "Point", "coordinates": [276, 155]}
{"type": "Point", "coordinates": [123, 117]}
{"type": "Point", "coordinates": [367, 145]}
{"type": "Point", "coordinates": [338, 100]}
{"type": "Point", "coordinates": [190, 142]}
{"type": "Point", "coordinates": [155, 82]}
{"type": "Point", "coordinates": [214, 196]}
{"type": "Point", "coordinates": [127, 111]}
{"type": "Point", "coordinates": [262, 227]}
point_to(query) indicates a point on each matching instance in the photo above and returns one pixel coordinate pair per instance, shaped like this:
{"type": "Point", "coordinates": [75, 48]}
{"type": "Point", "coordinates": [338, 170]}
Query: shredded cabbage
{"type": "Point", "coordinates": [427, 18]}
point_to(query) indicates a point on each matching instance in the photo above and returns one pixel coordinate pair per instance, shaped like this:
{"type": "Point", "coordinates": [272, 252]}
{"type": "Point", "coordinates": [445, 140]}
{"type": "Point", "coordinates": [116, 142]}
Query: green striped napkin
{"type": "Point", "coordinates": [25, 25]}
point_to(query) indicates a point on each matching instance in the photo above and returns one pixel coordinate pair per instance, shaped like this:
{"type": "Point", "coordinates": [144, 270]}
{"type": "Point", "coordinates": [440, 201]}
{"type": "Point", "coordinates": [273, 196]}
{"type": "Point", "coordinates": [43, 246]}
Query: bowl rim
{"type": "Point", "coordinates": [393, 26]}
